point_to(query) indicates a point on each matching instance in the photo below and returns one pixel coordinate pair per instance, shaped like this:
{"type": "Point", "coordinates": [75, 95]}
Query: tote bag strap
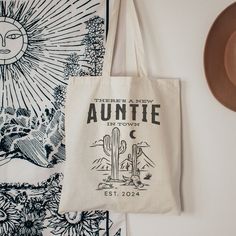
{"type": "Point", "coordinates": [133, 29]}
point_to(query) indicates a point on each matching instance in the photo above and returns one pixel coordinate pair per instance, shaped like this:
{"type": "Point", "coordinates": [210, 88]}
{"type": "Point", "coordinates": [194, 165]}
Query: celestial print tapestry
{"type": "Point", "coordinates": [42, 44]}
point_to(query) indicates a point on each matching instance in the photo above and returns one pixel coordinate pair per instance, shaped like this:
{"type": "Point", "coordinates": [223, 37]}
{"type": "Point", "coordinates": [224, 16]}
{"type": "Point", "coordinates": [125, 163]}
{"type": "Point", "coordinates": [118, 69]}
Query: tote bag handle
{"type": "Point", "coordinates": [134, 29]}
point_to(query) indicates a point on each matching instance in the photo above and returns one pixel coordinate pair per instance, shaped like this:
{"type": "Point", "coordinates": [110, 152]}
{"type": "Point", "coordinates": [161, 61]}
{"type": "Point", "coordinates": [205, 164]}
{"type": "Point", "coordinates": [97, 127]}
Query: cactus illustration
{"type": "Point", "coordinates": [135, 175]}
{"type": "Point", "coordinates": [136, 152]}
{"type": "Point", "coordinates": [113, 147]}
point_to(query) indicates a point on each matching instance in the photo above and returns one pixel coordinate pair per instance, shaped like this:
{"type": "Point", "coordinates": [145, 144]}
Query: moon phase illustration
{"type": "Point", "coordinates": [132, 134]}
{"type": "Point", "coordinates": [13, 41]}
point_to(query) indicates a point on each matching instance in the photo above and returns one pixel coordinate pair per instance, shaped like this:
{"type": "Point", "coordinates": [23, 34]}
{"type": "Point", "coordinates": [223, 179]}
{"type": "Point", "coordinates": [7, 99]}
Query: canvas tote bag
{"type": "Point", "coordinates": [122, 137]}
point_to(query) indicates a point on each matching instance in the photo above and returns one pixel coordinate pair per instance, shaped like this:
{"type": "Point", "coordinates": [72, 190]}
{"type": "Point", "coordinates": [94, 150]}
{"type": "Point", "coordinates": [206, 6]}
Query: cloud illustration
{"type": "Point", "coordinates": [97, 143]}
{"type": "Point", "coordinates": [143, 144]}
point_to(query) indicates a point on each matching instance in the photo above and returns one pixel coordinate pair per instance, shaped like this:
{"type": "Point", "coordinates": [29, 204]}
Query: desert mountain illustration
{"type": "Point", "coordinates": [101, 164]}
{"type": "Point", "coordinates": [144, 163]}
{"type": "Point", "coordinates": [126, 164]}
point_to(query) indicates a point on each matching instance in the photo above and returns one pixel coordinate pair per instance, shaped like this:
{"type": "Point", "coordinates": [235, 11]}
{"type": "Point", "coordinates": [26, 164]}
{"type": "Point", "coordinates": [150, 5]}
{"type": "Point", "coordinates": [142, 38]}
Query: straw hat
{"type": "Point", "coordinates": [220, 58]}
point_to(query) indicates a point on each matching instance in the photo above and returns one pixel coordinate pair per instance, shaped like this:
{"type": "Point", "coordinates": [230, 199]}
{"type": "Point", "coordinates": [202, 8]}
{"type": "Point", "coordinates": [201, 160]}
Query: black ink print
{"type": "Point", "coordinates": [135, 165]}
{"type": "Point", "coordinates": [94, 45]}
{"type": "Point", "coordinates": [101, 164]}
{"type": "Point", "coordinates": [28, 210]}
{"type": "Point", "coordinates": [118, 233]}
{"type": "Point", "coordinates": [37, 140]}
{"type": "Point", "coordinates": [132, 134]}
{"type": "Point", "coordinates": [91, 61]}
{"type": "Point", "coordinates": [105, 186]}
{"type": "Point", "coordinates": [109, 111]}
{"type": "Point", "coordinates": [41, 45]}
{"type": "Point", "coordinates": [148, 176]}
{"type": "Point", "coordinates": [113, 147]}
{"type": "Point", "coordinates": [135, 176]}
{"type": "Point", "coordinates": [29, 132]}
{"type": "Point", "coordinates": [40, 41]}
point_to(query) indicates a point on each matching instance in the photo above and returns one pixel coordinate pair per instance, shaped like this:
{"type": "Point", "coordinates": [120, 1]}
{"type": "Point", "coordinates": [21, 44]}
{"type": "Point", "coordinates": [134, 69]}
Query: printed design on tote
{"type": "Point", "coordinates": [123, 165]}
{"type": "Point", "coordinates": [32, 210]}
{"type": "Point", "coordinates": [49, 47]}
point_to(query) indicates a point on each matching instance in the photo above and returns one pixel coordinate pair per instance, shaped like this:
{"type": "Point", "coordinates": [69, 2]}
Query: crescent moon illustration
{"type": "Point", "coordinates": [132, 134]}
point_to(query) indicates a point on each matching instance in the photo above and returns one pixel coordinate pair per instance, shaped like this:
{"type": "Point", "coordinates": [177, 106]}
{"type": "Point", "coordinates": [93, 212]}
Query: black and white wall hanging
{"type": "Point", "coordinates": [42, 43]}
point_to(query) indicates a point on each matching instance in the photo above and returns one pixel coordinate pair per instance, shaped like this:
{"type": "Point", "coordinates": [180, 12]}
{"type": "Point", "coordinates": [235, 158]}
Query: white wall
{"type": "Point", "coordinates": [175, 32]}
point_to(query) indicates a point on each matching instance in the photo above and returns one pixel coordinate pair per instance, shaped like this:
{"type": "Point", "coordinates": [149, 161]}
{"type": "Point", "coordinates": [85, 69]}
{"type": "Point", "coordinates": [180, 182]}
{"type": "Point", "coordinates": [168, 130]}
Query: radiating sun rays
{"type": "Point", "coordinates": [36, 38]}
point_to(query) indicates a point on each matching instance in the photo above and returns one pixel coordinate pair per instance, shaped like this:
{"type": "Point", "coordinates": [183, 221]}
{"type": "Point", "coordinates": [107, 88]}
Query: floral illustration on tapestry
{"type": "Point", "coordinates": [28, 210]}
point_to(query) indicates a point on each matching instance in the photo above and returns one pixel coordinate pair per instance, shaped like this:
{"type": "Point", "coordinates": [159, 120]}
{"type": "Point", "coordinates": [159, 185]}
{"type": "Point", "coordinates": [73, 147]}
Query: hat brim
{"type": "Point", "coordinates": [219, 82]}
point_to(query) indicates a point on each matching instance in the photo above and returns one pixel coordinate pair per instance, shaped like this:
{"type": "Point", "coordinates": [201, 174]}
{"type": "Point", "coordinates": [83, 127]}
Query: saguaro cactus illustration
{"type": "Point", "coordinates": [135, 175]}
{"type": "Point", "coordinates": [113, 147]}
{"type": "Point", "coordinates": [136, 152]}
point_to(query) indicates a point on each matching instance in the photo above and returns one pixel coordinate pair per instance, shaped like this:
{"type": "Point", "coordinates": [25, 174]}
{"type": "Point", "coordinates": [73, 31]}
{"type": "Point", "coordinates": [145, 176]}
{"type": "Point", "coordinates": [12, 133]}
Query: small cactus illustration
{"type": "Point", "coordinates": [113, 147]}
{"type": "Point", "coordinates": [135, 176]}
{"type": "Point", "coordinates": [136, 152]}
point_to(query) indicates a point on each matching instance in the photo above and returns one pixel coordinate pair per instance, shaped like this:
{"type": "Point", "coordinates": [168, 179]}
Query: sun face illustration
{"type": "Point", "coordinates": [36, 39]}
{"type": "Point", "coordinates": [14, 41]}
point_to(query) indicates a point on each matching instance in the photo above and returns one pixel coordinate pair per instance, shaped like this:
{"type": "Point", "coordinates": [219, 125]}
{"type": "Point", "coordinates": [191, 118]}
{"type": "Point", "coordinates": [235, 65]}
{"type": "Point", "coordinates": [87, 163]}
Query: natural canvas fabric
{"type": "Point", "coordinates": [122, 137]}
